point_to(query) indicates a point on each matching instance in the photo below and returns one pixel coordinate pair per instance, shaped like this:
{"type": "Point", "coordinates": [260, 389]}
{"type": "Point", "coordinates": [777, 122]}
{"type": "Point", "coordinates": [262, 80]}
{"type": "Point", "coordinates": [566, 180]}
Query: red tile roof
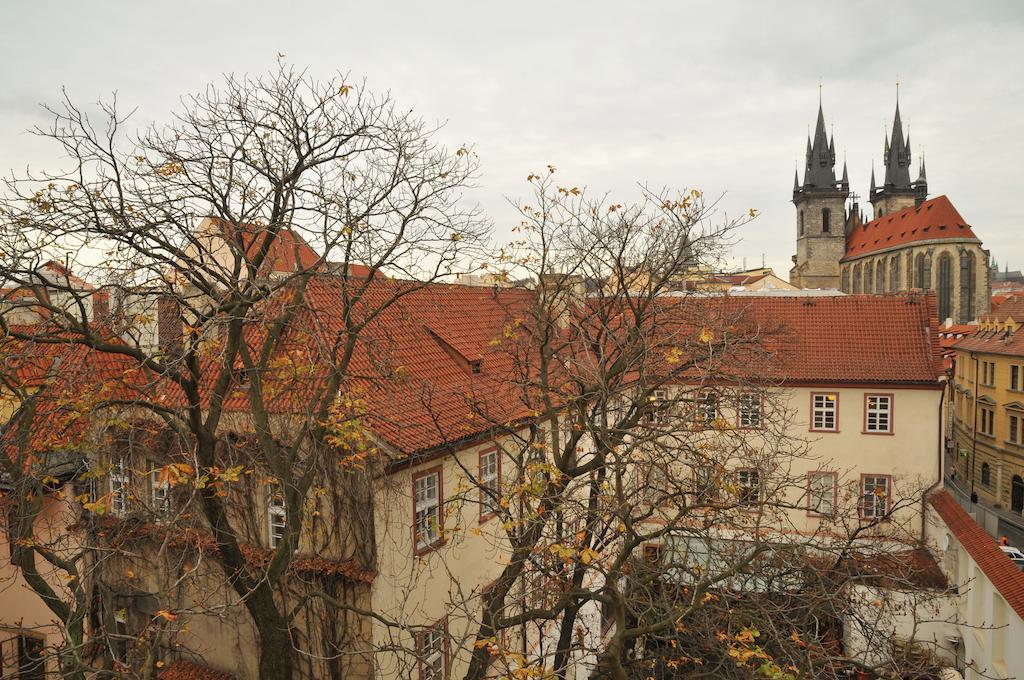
{"type": "Point", "coordinates": [1013, 308]}
{"type": "Point", "coordinates": [288, 251]}
{"type": "Point", "coordinates": [1000, 342]}
{"type": "Point", "coordinates": [1007, 578]}
{"type": "Point", "coordinates": [835, 339]}
{"type": "Point", "coordinates": [936, 218]}
{"type": "Point", "coordinates": [411, 365]}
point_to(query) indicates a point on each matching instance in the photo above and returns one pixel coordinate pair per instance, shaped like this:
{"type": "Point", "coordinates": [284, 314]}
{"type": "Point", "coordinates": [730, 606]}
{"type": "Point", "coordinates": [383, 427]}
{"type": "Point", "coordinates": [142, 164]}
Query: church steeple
{"type": "Point", "coordinates": [896, 191]}
{"type": "Point", "coordinates": [897, 156]}
{"type": "Point", "coordinates": [821, 158]}
{"type": "Point", "coordinates": [820, 206]}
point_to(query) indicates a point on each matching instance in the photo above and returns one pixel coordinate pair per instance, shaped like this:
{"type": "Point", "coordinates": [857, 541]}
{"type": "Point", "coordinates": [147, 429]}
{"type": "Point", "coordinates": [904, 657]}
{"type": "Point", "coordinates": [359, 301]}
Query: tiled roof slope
{"type": "Point", "coordinates": [836, 339]}
{"type": "Point", "coordinates": [1004, 574]}
{"type": "Point", "coordinates": [936, 218]}
{"type": "Point", "coordinates": [1013, 308]}
{"type": "Point", "coordinates": [993, 342]}
{"type": "Point", "coordinates": [406, 365]}
{"type": "Point", "coordinates": [411, 364]}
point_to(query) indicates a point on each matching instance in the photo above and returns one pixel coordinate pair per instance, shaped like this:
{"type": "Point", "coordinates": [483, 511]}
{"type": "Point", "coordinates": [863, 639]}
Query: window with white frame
{"type": "Point", "coordinates": [120, 480]}
{"type": "Point", "coordinates": [878, 413]}
{"type": "Point", "coordinates": [706, 404]}
{"type": "Point", "coordinates": [277, 516]}
{"type": "Point", "coordinates": [705, 488]}
{"type": "Point", "coordinates": [874, 496]}
{"type": "Point", "coordinates": [825, 411]}
{"type": "Point", "coordinates": [1015, 383]}
{"type": "Point", "coordinates": [1015, 426]}
{"type": "Point", "coordinates": [749, 482]}
{"type": "Point", "coordinates": [489, 479]}
{"type": "Point", "coordinates": [159, 491]}
{"type": "Point", "coordinates": [821, 493]}
{"type": "Point", "coordinates": [427, 501]}
{"type": "Point", "coordinates": [433, 657]}
{"type": "Point", "coordinates": [749, 410]}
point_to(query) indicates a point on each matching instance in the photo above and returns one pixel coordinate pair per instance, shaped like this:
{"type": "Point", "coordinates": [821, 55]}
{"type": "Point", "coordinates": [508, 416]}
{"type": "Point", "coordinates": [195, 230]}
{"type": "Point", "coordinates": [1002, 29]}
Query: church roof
{"type": "Point", "coordinates": [934, 219]}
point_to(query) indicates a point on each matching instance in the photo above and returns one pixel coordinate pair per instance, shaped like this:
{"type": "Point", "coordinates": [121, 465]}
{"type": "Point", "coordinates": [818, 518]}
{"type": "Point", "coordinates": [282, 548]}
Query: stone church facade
{"type": "Point", "coordinates": [911, 242]}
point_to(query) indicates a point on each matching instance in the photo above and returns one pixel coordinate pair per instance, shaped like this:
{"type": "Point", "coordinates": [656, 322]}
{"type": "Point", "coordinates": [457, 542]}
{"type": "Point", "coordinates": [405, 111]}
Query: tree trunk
{"type": "Point", "coordinates": [275, 652]}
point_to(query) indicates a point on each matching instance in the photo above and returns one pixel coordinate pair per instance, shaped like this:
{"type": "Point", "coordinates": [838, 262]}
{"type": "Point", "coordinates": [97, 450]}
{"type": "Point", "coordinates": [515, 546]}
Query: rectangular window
{"type": "Point", "coordinates": [653, 554]}
{"type": "Point", "coordinates": [159, 491]}
{"type": "Point", "coordinates": [1014, 430]}
{"type": "Point", "coordinates": [490, 471]}
{"type": "Point", "coordinates": [821, 493]}
{"type": "Point", "coordinates": [877, 413]}
{"type": "Point", "coordinates": [427, 509]}
{"type": "Point", "coordinates": [824, 412]}
{"type": "Point", "coordinates": [704, 483]}
{"type": "Point", "coordinates": [749, 410]}
{"type": "Point", "coordinates": [988, 373]}
{"type": "Point", "coordinates": [277, 517]}
{"type": "Point", "coordinates": [874, 496]}
{"type": "Point", "coordinates": [655, 487]}
{"type": "Point", "coordinates": [749, 482]}
{"type": "Point", "coordinates": [22, 657]}
{"type": "Point", "coordinates": [706, 407]}
{"type": "Point", "coordinates": [987, 418]}
{"type": "Point", "coordinates": [432, 651]}
{"type": "Point", "coordinates": [120, 501]}
{"type": "Point", "coordinates": [657, 407]}
{"type": "Point", "coordinates": [1014, 377]}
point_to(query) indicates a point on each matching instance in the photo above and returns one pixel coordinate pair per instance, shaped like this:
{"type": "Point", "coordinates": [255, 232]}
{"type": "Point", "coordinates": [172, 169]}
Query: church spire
{"type": "Point", "coordinates": [897, 156]}
{"type": "Point", "coordinates": [871, 191]}
{"type": "Point", "coordinates": [821, 157]}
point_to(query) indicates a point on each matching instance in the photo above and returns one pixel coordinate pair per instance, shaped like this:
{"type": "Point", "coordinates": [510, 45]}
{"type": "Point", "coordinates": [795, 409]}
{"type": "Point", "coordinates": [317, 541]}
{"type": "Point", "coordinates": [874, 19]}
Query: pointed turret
{"type": "Point", "coordinates": [820, 206]}
{"type": "Point", "coordinates": [821, 158]}
{"type": "Point", "coordinates": [896, 191]}
{"type": "Point", "coordinates": [871, 191]}
{"type": "Point", "coordinates": [921, 185]}
{"type": "Point", "coordinates": [897, 156]}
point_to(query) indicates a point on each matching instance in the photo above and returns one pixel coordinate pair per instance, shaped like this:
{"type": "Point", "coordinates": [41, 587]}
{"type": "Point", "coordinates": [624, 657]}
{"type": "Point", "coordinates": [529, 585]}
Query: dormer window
{"type": "Point", "coordinates": [476, 366]}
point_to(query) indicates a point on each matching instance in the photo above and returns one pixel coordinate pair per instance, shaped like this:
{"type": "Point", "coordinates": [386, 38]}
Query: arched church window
{"type": "Point", "coordinates": [845, 285]}
{"type": "Point", "coordinates": [894, 273]}
{"type": "Point", "coordinates": [826, 224]}
{"type": "Point", "coordinates": [869, 277]}
{"type": "Point", "coordinates": [880, 276]}
{"type": "Point", "coordinates": [856, 278]}
{"type": "Point", "coordinates": [919, 281]}
{"type": "Point", "coordinates": [800, 219]}
{"type": "Point", "coordinates": [968, 271]}
{"type": "Point", "coordinates": [944, 286]}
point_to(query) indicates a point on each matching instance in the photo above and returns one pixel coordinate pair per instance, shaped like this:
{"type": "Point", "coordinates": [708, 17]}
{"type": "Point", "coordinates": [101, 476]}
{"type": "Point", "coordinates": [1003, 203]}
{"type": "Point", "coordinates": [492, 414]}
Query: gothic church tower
{"type": "Point", "coordinates": [820, 214]}
{"type": "Point", "coordinates": [897, 191]}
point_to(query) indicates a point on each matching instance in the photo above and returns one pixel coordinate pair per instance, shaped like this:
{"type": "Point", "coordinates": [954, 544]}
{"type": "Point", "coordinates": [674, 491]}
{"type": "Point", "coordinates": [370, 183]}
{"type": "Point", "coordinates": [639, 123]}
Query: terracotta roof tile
{"type": "Point", "coordinates": [836, 339]}
{"type": "Point", "coordinates": [1002, 342]}
{"type": "Point", "coordinates": [1007, 578]}
{"type": "Point", "coordinates": [936, 218]}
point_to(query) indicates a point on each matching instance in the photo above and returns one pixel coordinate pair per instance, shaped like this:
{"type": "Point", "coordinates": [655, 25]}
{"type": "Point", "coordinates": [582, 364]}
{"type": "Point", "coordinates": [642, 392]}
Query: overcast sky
{"type": "Point", "coordinates": [716, 96]}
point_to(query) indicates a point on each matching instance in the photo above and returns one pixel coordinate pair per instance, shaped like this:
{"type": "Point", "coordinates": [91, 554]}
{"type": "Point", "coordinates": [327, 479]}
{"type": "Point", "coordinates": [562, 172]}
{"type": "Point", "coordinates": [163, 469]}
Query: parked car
{"type": "Point", "coordinates": [1014, 554]}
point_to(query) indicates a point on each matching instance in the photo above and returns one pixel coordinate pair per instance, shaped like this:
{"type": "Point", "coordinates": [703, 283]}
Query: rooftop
{"type": "Point", "coordinates": [934, 219]}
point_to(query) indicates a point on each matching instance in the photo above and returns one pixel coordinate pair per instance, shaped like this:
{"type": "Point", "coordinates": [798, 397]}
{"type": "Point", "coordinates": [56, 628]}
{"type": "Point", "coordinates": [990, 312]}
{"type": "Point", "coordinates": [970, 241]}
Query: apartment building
{"type": "Point", "coordinates": [987, 395]}
{"type": "Point", "coordinates": [417, 540]}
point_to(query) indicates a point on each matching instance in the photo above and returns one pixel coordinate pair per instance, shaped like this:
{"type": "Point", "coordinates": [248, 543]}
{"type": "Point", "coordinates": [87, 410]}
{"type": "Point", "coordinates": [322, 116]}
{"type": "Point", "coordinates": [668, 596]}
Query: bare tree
{"type": "Point", "coordinates": [651, 512]}
{"type": "Point", "coordinates": [207, 236]}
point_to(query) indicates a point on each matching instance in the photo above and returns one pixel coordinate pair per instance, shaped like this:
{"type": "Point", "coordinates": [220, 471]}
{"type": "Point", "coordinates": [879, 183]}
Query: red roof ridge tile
{"type": "Point", "coordinates": [1005, 576]}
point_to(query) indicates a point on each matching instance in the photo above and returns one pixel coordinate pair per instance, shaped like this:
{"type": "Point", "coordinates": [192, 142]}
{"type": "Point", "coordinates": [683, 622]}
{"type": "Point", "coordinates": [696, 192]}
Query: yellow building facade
{"type": "Point", "coordinates": [987, 395]}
